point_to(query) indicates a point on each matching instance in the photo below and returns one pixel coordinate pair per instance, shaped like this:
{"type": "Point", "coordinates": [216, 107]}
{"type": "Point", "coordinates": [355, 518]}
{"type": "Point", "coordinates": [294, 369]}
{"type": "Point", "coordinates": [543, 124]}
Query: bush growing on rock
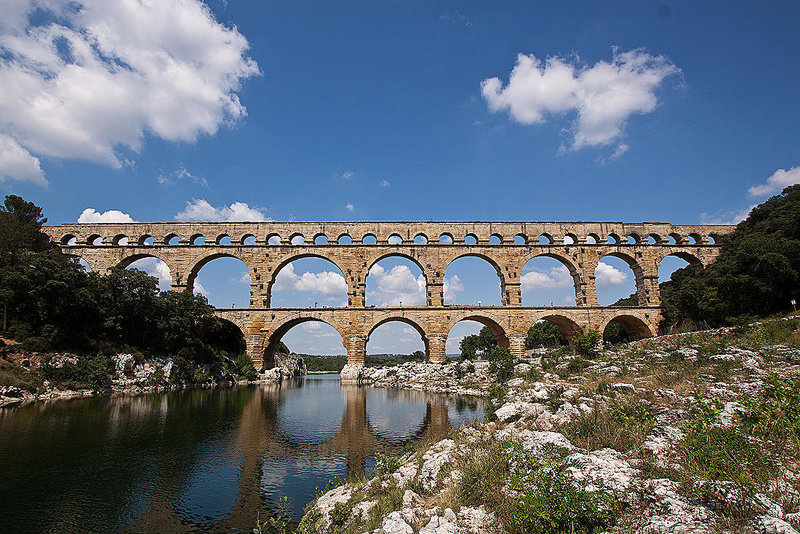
{"type": "Point", "coordinates": [501, 363]}
{"type": "Point", "coordinates": [587, 342]}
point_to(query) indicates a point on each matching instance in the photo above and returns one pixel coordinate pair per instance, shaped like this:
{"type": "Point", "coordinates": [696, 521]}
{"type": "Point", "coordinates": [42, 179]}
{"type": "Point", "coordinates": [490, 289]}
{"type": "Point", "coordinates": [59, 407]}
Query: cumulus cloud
{"type": "Point", "coordinates": [90, 215]}
{"type": "Point", "coordinates": [384, 183]}
{"type": "Point", "coordinates": [325, 282]}
{"type": "Point", "coordinates": [546, 279]}
{"type": "Point", "coordinates": [452, 285]}
{"type": "Point", "coordinates": [87, 78]}
{"type": "Point", "coordinates": [396, 285]}
{"type": "Point", "coordinates": [604, 96]}
{"type": "Point", "coordinates": [726, 217]}
{"type": "Point", "coordinates": [199, 289]}
{"type": "Point", "coordinates": [201, 210]}
{"type": "Point", "coordinates": [606, 275]}
{"type": "Point", "coordinates": [775, 183]}
{"type": "Point", "coordinates": [350, 206]}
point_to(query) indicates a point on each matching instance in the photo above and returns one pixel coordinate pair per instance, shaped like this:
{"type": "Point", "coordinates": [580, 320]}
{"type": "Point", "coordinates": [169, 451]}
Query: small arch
{"type": "Point", "coordinates": [446, 239]}
{"type": "Point", "coordinates": [147, 241]}
{"type": "Point", "coordinates": [675, 239]}
{"type": "Point", "coordinates": [297, 239]}
{"type": "Point", "coordinates": [248, 239]}
{"type": "Point", "coordinates": [320, 239]}
{"type": "Point", "coordinates": [223, 239]}
{"type": "Point", "coordinates": [592, 239]}
{"type": "Point", "coordinates": [273, 239]}
{"type": "Point", "coordinates": [712, 239]}
{"type": "Point", "coordinates": [198, 239]}
{"type": "Point", "coordinates": [395, 239]}
{"type": "Point", "coordinates": [520, 239]}
{"type": "Point", "coordinates": [369, 239]}
{"type": "Point", "coordinates": [695, 239]}
{"type": "Point", "coordinates": [633, 238]}
{"type": "Point", "coordinates": [495, 239]}
{"type": "Point", "coordinates": [470, 239]}
{"type": "Point", "coordinates": [629, 328]}
{"type": "Point", "coordinates": [345, 239]}
{"type": "Point", "coordinates": [120, 240]}
{"type": "Point", "coordinates": [420, 239]}
{"type": "Point", "coordinates": [654, 239]}
{"type": "Point", "coordinates": [570, 239]}
{"type": "Point", "coordinates": [612, 239]}
{"type": "Point", "coordinates": [69, 240]}
{"type": "Point", "coordinates": [94, 240]}
{"type": "Point", "coordinates": [545, 239]}
{"type": "Point", "coordinates": [172, 239]}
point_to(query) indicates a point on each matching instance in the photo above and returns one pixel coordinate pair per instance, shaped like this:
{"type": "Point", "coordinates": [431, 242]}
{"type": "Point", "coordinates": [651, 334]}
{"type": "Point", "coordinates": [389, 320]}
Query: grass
{"type": "Point", "coordinates": [622, 425]}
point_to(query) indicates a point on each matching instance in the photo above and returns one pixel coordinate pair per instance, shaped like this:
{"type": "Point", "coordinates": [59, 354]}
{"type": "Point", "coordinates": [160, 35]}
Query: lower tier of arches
{"type": "Point", "coordinates": [263, 328]}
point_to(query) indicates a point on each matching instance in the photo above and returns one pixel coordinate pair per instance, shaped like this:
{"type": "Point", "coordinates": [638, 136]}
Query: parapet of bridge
{"type": "Point", "coordinates": [354, 247]}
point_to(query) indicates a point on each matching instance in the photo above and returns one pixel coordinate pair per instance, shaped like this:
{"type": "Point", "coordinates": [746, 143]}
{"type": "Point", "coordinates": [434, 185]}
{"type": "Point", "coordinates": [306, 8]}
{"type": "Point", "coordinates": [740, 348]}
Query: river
{"type": "Point", "coordinates": [202, 460]}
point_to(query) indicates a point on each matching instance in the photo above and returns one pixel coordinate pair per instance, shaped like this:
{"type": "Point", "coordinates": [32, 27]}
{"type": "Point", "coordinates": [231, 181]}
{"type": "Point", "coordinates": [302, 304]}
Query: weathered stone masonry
{"type": "Point", "coordinates": [354, 247]}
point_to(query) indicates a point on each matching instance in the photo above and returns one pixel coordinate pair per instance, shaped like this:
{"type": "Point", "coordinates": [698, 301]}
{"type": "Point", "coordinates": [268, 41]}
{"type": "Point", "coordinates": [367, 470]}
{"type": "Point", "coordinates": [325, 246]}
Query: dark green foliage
{"type": "Point", "coordinates": [477, 344]}
{"type": "Point", "coordinates": [87, 372]}
{"type": "Point", "coordinates": [775, 415]}
{"type": "Point", "coordinates": [502, 363]}
{"type": "Point", "coordinates": [586, 342]}
{"type": "Point", "coordinates": [244, 367]}
{"type": "Point", "coordinates": [332, 364]}
{"type": "Point", "coordinates": [545, 334]}
{"type": "Point", "coordinates": [614, 333]}
{"type": "Point", "coordinates": [757, 271]}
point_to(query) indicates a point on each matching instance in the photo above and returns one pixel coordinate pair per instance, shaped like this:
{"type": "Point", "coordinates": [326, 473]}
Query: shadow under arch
{"type": "Point", "coordinates": [498, 331]}
{"type": "Point", "coordinates": [567, 326]}
{"type": "Point", "coordinates": [409, 322]}
{"type": "Point", "coordinates": [633, 327]}
{"type": "Point", "coordinates": [190, 279]}
{"type": "Point", "coordinates": [232, 337]}
{"type": "Point", "coordinates": [275, 338]}
{"type": "Point", "coordinates": [693, 261]}
{"type": "Point", "coordinates": [293, 258]}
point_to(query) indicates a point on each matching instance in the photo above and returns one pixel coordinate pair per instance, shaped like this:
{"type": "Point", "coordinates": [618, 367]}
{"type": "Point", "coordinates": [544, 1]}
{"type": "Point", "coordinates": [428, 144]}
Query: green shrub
{"type": "Point", "coordinates": [586, 342]}
{"type": "Point", "coordinates": [244, 367]}
{"type": "Point", "coordinates": [386, 464]}
{"type": "Point", "coordinates": [501, 363]}
{"type": "Point", "coordinates": [775, 414]}
{"type": "Point", "coordinates": [87, 372]}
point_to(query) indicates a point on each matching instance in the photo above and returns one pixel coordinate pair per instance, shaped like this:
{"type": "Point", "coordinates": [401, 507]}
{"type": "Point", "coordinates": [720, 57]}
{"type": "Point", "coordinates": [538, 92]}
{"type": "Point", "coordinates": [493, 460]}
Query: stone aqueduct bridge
{"type": "Point", "coordinates": [354, 247]}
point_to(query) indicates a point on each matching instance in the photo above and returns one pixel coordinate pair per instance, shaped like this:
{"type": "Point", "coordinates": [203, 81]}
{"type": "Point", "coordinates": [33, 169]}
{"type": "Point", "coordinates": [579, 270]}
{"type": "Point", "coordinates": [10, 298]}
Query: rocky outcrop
{"type": "Point", "coordinates": [286, 366]}
{"type": "Point", "coordinates": [455, 378]}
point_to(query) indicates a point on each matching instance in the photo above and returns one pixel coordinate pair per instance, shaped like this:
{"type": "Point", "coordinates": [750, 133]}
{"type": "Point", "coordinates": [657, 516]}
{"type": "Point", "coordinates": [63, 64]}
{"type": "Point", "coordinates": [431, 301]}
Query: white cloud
{"type": "Point", "coordinates": [325, 282]}
{"type": "Point", "coordinates": [384, 183]}
{"type": "Point", "coordinates": [157, 268]}
{"type": "Point", "coordinates": [726, 217]}
{"type": "Point", "coordinates": [16, 163]}
{"type": "Point", "coordinates": [452, 285]}
{"type": "Point", "coordinates": [603, 96]}
{"type": "Point", "coordinates": [180, 174]}
{"type": "Point", "coordinates": [89, 215]}
{"type": "Point", "coordinates": [91, 77]}
{"type": "Point", "coordinates": [350, 207]}
{"type": "Point", "coordinates": [606, 275]}
{"type": "Point", "coordinates": [245, 278]}
{"type": "Point", "coordinates": [348, 174]}
{"type": "Point", "coordinates": [775, 183]}
{"type": "Point", "coordinates": [390, 288]}
{"type": "Point", "coordinates": [199, 289]}
{"type": "Point", "coordinates": [201, 210]}
{"type": "Point", "coordinates": [546, 279]}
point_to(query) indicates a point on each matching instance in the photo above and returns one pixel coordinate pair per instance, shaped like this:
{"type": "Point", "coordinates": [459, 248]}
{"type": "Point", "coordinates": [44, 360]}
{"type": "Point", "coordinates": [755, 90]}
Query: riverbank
{"type": "Point", "coordinates": [691, 433]}
{"type": "Point", "coordinates": [32, 376]}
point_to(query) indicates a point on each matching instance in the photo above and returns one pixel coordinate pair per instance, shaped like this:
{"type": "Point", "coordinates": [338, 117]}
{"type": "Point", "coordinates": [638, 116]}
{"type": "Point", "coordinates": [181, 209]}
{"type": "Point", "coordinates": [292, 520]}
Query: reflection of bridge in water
{"type": "Point", "coordinates": [259, 439]}
{"type": "Point", "coordinates": [355, 247]}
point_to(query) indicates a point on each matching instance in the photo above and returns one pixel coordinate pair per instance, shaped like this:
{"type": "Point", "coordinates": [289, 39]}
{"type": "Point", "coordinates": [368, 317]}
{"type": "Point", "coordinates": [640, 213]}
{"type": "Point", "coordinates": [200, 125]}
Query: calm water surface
{"type": "Point", "coordinates": [201, 460]}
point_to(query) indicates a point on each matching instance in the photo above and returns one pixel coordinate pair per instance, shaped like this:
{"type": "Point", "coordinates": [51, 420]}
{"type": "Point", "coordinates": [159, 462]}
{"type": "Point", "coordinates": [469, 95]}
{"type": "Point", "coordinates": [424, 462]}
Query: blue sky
{"type": "Point", "coordinates": [684, 112]}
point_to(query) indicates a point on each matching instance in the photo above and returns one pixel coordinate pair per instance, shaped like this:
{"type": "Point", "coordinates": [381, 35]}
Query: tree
{"type": "Point", "coordinates": [545, 334]}
{"type": "Point", "coordinates": [477, 344]}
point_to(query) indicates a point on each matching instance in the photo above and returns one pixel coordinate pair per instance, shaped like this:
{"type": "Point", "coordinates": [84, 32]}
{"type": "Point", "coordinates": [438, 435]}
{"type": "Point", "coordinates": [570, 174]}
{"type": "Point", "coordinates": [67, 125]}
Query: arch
{"type": "Point", "coordinates": [633, 327]}
{"type": "Point", "coordinates": [467, 276]}
{"type": "Point", "coordinates": [614, 279]}
{"type": "Point", "coordinates": [120, 240]}
{"type": "Point", "coordinates": [633, 238]}
{"type": "Point", "coordinates": [401, 319]}
{"type": "Point", "coordinates": [94, 240]}
{"type": "Point", "coordinates": [670, 263]}
{"type": "Point", "coordinates": [570, 239]}
{"type": "Point", "coordinates": [370, 291]}
{"type": "Point", "coordinates": [320, 239]}
{"type": "Point", "coordinates": [146, 241]}
{"type": "Point", "coordinates": [694, 239]}
{"type": "Point", "coordinates": [277, 335]}
{"type": "Point", "coordinates": [235, 346]}
{"type": "Point", "coordinates": [369, 239]}
{"type": "Point", "coordinates": [498, 331]}
{"type": "Point", "coordinates": [520, 239]}
{"type": "Point", "coordinates": [197, 239]}
{"type": "Point", "coordinates": [446, 239]}
{"type": "Point", "coordinates": [470, 239]}
{"type": "Point", "coordinates": [223, 239]}
{"type": "Point", "coordinates": [545, 239]}
{"type": "Point", "coordinates": [713, 239]}
{"type": "Point", "coordinates": [566, 325]}
{"type": "Point", "coordinates": [172, 239]}
{"type": "Point", "coordinates": [550, 279]}
{"type": "Point", "coordinates": [344, 239]}
{"type": "Point", "coordinates": [156, 268]}
{"type": "Point", "coordinates": [195, 270]}
{"type": "Point", "coordinates": [273, 239]}
{"type": "Point", "coordinates": [395, 239]}
{"type": "Point", "coordinates": [297, 239]}
{"type": "Point", "coordinates": [654, 239]}
{"type": "Point", "coordinates": [612, 239]}
{"type": "Point", "coordinates": [675, 239]}
{"type": "Point", "coordinates": [420, 239]}
{"type": "Point", "coordinates": [592, 238]}
{"type": "Point", "coordinates": [276, 272]}
{"type": "Point", "coordinates": [69, 240]}
{"type": "Point", "coordinates": [495, 239]}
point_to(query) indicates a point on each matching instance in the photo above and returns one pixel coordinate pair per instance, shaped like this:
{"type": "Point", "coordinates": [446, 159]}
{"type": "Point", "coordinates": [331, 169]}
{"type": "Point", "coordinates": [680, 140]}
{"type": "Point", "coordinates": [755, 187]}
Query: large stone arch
{"type": "Point", "coordinates": [634, 326]}
{"type": "Point", "coordinates": [350, 280]}
{"type": "Point", "coordinates": [373, 260]}
{"type": "Point", "coordinates": [577, 279]}
{"type": "Point", "coordinates": [272, 341]}
{"type": "Point", "coordinates": [640, 274]}
{"type": "Point", "coordinates": [205, 260]}
{"type": "Point", "coordinates": [568, 326]}
{"type": "Point", "coordinates": [500, 335]}
{"type": "Point", "coordinates": [402, 319]}
{"type": "Point", "coordinates": [486, 257]}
